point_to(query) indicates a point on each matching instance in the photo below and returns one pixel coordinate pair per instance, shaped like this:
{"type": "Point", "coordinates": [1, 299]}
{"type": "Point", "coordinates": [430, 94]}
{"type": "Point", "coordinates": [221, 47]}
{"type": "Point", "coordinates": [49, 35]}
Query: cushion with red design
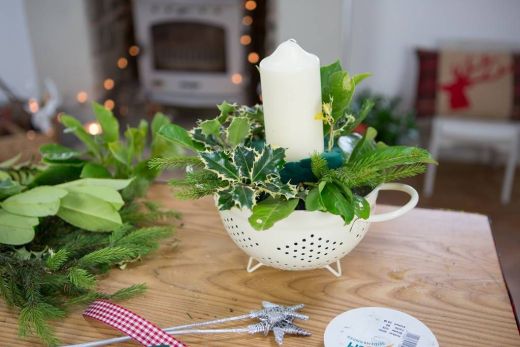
{"type": "Point", "coordinates": [468, 84]}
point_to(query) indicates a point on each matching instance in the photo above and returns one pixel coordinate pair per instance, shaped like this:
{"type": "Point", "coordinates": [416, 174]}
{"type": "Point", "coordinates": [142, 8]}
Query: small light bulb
{"type": "Point", "coordinates": [253, 57]}
{"type": "Point", "coordinates": [82, 97]}
{"type": "Point", "coordinates": [134, 50]}
{"type": "Point", "coordinates": [245, 40]}
{"type": "Point", "coordinates": [108, 84]}
{"type": "Point", "coordinates": [93, 128]}
{"type": "Point", "coordinates": [250, 5]}
{"type": "Point", "coordinates": [109, 104]}
{"type": "Point", "coordinates": [247, 20]}
{"type": "Point", "coordinates": [122, 63]}
{"type": "Point", "coordinates": [33, 105]}
{"type": "Point", "coordinates": [236, 78]}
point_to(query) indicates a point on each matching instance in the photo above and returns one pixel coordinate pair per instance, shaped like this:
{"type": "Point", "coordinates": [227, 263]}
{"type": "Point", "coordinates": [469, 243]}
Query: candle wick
{"type": "Point", "coordinates": [293, 40]}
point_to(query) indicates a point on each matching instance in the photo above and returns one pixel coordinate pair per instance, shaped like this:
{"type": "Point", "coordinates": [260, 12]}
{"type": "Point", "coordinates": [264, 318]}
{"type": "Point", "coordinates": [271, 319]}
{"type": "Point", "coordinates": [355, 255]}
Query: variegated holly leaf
{"type": "Point", "coordinates": [239, 129]}
{"type": "Point", "coordinates": [221, 164]}
{"type": "Point", "coordinates": [238, 195]}
{"type": "Point", "coordinates": [268, 161]}
{"type": "Point", "coordinates": [244, 157]}
{"type": "Point", "coordinates": [275, 187]}
{"type": "Point", "coordinates": [207, 140]}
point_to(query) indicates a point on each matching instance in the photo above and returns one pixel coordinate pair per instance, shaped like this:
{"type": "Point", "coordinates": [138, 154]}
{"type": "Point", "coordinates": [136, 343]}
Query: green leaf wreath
{"type": "Point", "coordinates": [76, 215]}
{"type": "Point", "coordinates": [233, 162]}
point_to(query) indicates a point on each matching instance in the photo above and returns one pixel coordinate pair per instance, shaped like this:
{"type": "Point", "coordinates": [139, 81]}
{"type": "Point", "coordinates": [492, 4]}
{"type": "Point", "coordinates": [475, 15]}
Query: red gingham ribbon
{"type": "Point", "coordinates": [130, 324]}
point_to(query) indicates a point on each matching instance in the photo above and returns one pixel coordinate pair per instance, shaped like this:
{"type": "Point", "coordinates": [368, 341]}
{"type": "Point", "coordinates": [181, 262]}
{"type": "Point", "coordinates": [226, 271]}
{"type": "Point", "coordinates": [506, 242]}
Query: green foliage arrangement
{"type": "Point", "coordinates": [393, 126]}
{"type": "Point", "coordinates": [234, 163]}
{"type": "Point", "coordinates": [75, 216]}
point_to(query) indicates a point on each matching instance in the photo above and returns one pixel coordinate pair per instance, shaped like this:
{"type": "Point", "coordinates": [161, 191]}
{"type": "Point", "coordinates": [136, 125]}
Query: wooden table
{"type": "Point", "coordinates": [438, 266]}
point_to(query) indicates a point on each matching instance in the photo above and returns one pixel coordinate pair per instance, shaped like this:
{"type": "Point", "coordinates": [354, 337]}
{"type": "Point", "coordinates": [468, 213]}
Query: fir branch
{"type": "Point", "coordinates": [175, 162]}
{"type": "Point", "coordinates": [33, 320]}
{"type": "Point", "coordinates": [318, 165]}
{"type": "Point", "coordinates": [107, 255]}
{"type": "Point", "coordinates": [81, 278]}
{"type": "Point", "coordinates": [129, 292]}
{"type": "Point", "coordinates": [56, 260]}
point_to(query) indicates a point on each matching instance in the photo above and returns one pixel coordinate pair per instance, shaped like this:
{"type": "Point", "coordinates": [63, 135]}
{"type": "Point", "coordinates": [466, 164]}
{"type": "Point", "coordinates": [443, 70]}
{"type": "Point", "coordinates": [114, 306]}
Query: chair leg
{"type": "Point", "coordinates": [509, 176]}
{"type": "Point", "coordinates": [429, 179]}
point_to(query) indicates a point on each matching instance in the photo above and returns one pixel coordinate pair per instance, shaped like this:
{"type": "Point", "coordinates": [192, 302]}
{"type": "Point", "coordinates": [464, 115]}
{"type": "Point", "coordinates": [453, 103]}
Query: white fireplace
{"type": "Point", "coordinates": [191, 51]}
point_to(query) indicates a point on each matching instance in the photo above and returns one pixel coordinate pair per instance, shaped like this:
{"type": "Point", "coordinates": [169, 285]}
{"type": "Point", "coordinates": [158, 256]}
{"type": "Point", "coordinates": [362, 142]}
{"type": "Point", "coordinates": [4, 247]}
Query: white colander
{"type": "Point", "coordinates": [307, 240]}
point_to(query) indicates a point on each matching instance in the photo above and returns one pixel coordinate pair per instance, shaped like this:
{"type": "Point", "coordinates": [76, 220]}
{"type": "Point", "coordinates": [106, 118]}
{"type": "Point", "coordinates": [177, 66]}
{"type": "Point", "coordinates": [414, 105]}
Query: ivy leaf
{"type": "Point", "coordinates": [37, 202]}
{"type": "Point", "coordinates": [244, 158]}
{"type": "Point", "coordinates": [9, 187]}
{"type": "Point", "coordinates": [336, 203]}
{"type": "Point", "coordinates": [210, 127]}
{"type": "Point", "coordinates": [269, 211]}
{"type": "Point", "coordinates": [269, 161]}
{"type": "Point", "coordinates": [55, 152]}
{"type": "Point", "coordinates": [15, 229]}
{"type": "Point", "coordinates": [88, 212]}
{"type": "Point", "coordinates": [238, 130]}
{"type": "Point", "coordinates": [108, 122]}
{"type": "Point", "coordinates": [73, 125]}
{"type": "Point", "coordinates": [313, 200]}
{"type": "Point", "coordinates": [180, 136]}
{"type": "Point", "coordinates": [361, 207]}
{"type": "Point", "coordinates": [93, 170]}
{"type": "Point", "coordinates": [221, 164]}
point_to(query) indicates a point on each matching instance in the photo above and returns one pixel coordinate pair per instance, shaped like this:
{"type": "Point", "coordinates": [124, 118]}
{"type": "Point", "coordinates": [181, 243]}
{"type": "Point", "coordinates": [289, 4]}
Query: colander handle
{"type": "Point", "coordinates": [414, 198]}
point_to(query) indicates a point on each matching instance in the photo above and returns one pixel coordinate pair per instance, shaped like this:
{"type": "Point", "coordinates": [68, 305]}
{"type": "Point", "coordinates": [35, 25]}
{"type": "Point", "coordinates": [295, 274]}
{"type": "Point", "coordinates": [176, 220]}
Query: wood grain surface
{"type": "Point", "coordinates": [438, 266]}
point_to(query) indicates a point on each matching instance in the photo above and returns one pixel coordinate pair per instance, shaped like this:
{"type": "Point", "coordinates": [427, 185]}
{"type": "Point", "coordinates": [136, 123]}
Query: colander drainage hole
{"type": "Point", "coordinates": [357, 235]}
{"type": "Point", "coordinates": [278, 248]}
{"type": "Point", "coordinates": [286, 252]}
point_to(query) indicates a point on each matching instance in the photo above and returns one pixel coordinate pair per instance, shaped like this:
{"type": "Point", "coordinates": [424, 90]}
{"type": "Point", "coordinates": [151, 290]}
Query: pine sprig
{"type": "Point", "coordinates": [56, 260]}
{"type": "Point", "coordinates": [175, 162]}
{"type": "Point", "coordinates": [107, 255]}
{"type": "Point", "coordinates": [318, 165]}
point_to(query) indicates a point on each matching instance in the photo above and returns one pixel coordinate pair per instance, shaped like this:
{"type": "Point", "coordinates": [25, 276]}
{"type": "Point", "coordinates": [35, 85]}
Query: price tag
{"type": "Point", "coordinates": [378, 327]}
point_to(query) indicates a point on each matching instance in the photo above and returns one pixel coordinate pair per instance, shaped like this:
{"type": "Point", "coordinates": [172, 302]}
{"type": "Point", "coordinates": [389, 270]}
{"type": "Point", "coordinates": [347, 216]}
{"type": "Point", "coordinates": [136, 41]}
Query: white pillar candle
{"type": "Point", "coordinates": [291, 94]}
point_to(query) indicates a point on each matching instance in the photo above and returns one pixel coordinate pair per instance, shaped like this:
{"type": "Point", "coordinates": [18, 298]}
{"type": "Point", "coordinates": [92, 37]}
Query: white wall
{"type": "Point", "coordinates": [316, 25]}
{"type": "Point", "coordinates": [17, 68]}
{"type": "Point", "coordinates": [384, 33]}
{"type": "Point", "coordinates": [60, 37]}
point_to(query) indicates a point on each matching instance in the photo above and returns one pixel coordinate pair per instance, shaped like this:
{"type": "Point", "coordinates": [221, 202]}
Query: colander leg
{"type": "Point", "coordinates": [336, 272]}
{"type": "Point", "coordinates": [250, 267]}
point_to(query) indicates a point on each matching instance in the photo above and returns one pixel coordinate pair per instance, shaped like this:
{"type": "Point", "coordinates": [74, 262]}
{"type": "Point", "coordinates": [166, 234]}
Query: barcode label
{"type": "Point", "coordinates": [410, 340]}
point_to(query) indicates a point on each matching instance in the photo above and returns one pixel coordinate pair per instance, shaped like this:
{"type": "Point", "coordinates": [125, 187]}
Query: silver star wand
{"type": "Point", "coordinates": [272, 317]}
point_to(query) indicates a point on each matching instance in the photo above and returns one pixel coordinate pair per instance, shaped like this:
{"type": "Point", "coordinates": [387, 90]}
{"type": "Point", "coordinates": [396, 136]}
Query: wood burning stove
{"type": "Point", "coordinates": [191, 51]}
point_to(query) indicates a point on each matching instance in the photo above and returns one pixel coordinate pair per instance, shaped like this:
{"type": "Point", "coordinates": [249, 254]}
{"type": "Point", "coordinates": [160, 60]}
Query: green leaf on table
{"type": "Point", "coordinates": [238, 130]}
{"type": "Point", "coordinates": [180, 136]}
{"type": "Point", "coordinates": [16, 230]}
{"type": "Point", "coordinates": [269, 211]}
{"type": "Point", "coordinates": [9, 187]}
{"type": "Point", "coordinates": [210, 127]}
{"type": "Point", "coordinates": [37, 202]}
{"type": "Point", "coordinates": [55, 152]}
{"type": "Point", "coordinates": [269, 161]}
{"type": "Point", "coordinates": [88, 212]}
{"type": "Point", "coordinates": [73, 125]}
{"type": "Point", "coordinates": [106, 194]}
{"type": "Point", "coordinates": [108, 122]}
{"type": "Point", "coordinates": [220, 163]}
{"type": "Point", "coordinates": [93, 170]}
{"type": "Point", "coordinates": [116, 184]}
